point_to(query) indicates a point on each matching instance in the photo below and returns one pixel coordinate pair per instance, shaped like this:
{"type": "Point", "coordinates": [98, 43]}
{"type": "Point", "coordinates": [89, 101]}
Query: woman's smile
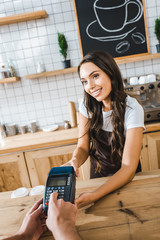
{"type": "Point", "coordinates": [96, 82]}
{"type": "Point", "coordinates": [96, 93]}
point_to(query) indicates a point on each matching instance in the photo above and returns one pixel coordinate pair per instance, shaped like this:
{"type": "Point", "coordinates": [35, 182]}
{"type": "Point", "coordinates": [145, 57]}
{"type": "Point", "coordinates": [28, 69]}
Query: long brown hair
{"type": "Point", "coordinates": [106, 63]}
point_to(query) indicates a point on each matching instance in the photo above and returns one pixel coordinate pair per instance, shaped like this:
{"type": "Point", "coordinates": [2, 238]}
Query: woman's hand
{"type": "Point", "coordinates": [85, 199]}
{"type": "Point", "coordinates": [74, 164]}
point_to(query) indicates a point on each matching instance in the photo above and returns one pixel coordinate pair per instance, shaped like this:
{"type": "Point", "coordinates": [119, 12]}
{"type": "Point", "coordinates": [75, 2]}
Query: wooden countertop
{"type": "Point", "coordinates": [150, 127]}
{"type": "Point", "coordinates": [132, 212]}
{"type": "Point", "coordinates": [40, 139]}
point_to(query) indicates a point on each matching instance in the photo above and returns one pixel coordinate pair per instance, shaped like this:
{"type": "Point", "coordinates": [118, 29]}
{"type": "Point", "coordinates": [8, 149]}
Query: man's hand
{"type": "Point", "coordinates": [33, 225]}
{"type": "Point", "coordinates": [61, 219]}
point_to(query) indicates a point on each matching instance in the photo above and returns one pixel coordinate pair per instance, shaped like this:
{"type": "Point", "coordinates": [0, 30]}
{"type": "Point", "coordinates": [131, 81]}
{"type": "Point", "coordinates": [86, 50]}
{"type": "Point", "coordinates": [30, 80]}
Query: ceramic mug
{"type": "Point", "coordinates": [151, 78]}
{"type": "Point", "coordinates": [112, 16]}
{"type": "Point", "coordinates": [133, 81]}
{"type": "Point", "coordinates": [142, 79]}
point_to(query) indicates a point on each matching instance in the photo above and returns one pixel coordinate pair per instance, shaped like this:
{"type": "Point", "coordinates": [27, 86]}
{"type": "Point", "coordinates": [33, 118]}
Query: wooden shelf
{"type": "Point", "coordinates": [74, 69]}
{"type": "Point", "coordinates": [51, 73]}
{"type": "Point", "coordinates": [10, 80]}
{"type": "Point", "coordinates": [23, 17]}
{"type": "Point", "coordinates": [137, 58]}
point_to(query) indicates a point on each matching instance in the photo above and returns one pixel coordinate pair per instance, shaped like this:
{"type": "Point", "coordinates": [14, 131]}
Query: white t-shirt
{"type": "Point", "coordinates": [134, 115]}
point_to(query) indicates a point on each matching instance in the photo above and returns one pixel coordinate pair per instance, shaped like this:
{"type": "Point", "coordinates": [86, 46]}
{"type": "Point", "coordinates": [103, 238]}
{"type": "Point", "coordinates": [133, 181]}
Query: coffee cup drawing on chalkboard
{"type": "Point", "coordinates": [107, 11]}
{"type": "Point", "coordinates": [107, 28]}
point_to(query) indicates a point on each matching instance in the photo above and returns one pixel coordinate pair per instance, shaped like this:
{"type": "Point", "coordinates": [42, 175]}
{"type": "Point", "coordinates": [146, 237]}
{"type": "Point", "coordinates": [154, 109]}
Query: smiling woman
{"type": "Point", "coordinates": [96, 82]}
{"type": "Point", "coordinates": [109, 123]}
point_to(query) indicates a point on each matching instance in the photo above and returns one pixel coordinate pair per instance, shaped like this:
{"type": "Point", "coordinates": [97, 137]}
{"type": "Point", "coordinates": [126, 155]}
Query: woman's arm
{"type": "Point", "coordinates": [81, 152]}
{"type": "Point", "coordinates": [130, 159]}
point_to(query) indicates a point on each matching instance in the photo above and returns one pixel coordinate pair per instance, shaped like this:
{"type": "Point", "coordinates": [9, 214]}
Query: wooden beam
{"type": "Point", "coordinates": [23, 17]}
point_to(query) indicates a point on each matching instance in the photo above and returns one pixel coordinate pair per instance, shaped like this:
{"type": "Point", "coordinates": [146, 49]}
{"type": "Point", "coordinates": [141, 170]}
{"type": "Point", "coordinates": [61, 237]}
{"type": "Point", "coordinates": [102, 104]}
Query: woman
{"type": "Point", "coordinates": [110, 126]}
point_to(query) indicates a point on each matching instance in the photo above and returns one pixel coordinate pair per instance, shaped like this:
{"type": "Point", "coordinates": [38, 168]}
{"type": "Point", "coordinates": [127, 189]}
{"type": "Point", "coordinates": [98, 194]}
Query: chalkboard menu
{"type": "Point", "coordinates": [116, 26]}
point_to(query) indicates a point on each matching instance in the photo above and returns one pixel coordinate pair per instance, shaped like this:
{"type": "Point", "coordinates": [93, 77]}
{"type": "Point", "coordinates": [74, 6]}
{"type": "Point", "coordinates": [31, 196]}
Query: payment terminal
{"type": "Point", "coordinates": [63, 181]}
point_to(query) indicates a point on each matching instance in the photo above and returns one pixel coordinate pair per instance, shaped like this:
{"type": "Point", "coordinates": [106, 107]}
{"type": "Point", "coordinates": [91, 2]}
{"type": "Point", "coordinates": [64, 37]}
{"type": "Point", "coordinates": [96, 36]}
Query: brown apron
{"type": "Point", "coordinates": [103, 154]}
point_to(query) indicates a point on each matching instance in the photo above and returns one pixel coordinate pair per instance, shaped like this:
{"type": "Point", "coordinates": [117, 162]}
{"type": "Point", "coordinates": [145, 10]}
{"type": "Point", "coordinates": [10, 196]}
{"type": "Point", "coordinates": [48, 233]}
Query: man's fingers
{"type": "Point", "coordinates": [76, 205]}
{"type": "Point", "coordinates": [36, 205]}
{"type": "Point", "coordinates": [44, 227]}
{"type": "Point", "coordinates": [43, 221]}
{"type": "Point", "coordinates": [53, 197]}
{"type": "Point", "coordinates": [38, 211]}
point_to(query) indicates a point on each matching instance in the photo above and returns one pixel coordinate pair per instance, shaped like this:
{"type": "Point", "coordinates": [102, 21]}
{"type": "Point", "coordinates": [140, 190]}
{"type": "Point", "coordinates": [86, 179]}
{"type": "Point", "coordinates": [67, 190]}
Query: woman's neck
{"type": "Point", "coordinates": [107, 106]}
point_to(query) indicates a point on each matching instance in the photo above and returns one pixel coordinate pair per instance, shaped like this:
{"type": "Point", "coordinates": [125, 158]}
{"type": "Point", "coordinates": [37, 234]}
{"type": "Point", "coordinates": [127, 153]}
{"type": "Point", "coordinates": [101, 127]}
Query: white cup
{"type": "Point", "coordinates": [133, 81]}
{"type": "Point", "coordinates": [151, 78]}
{"type": "Point", "coordinates": [142, 79]}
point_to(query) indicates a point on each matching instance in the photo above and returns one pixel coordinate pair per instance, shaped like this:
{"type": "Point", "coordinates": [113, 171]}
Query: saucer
{"type": "Point", "coordinates": [94, 31]}
{"type": "Point", "coordinates": [37, 190]}
{"type": "Point", "coordinates": [50, 128]}
{"type": "Point", "coordinates": [20, 192]}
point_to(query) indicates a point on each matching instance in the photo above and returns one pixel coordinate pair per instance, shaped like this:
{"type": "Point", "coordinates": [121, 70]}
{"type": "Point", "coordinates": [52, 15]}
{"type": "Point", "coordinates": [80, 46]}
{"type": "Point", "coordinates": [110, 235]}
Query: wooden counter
{"type": "Point", "coordinates": [132, 212]}
{"type": "Point", "coordinates": [31, 141]}
{"type": "Point", "coordinates": [40, 139]}
{"type": "Point", "coordinates": [152, 127]}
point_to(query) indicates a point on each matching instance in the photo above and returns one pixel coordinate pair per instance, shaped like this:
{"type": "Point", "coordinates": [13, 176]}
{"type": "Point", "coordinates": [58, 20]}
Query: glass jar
{"type": "Point", "coordinates": [11, 69]}
{"type": "Point", "coordinates": [67, 124]}
{"type": "Point", "coordinates": [4, 72]}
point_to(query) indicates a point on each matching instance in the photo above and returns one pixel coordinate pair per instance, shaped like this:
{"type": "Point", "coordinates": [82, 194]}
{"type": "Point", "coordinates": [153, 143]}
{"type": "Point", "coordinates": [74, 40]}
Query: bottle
{"type": "Point", "coordinates": [40, 67]}
{"type": "Point", "coordinates": [11, 69]}
{"type": "Point", "coordinates": [67, 124]}
{"type": "Point", "coordinates": [73, 115]}
{"type": "Point", "coordinates": [2, 131]}
{"type": "Point", "coordinates": [4, 72]}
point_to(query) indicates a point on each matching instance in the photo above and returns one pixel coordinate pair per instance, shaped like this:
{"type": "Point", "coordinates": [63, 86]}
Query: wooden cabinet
{"type": "Point", "coordinates": [40, 162]}
{"type": "Point", "coordinates": [31, 168]}
{"type": "Point", "coordinates": [150, 155]}
{"type": "Point", "coordinates": [13, 172]}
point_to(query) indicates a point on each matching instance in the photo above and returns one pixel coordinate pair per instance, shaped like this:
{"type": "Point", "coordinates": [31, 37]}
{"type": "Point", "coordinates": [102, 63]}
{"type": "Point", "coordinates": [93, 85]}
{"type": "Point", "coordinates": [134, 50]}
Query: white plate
{"type": "Point", "coordinates": [50, 128]}
{"type": "Point", "coordinates": [37, 190]}
{"type": "Point", "coordinates": [20, 192]}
